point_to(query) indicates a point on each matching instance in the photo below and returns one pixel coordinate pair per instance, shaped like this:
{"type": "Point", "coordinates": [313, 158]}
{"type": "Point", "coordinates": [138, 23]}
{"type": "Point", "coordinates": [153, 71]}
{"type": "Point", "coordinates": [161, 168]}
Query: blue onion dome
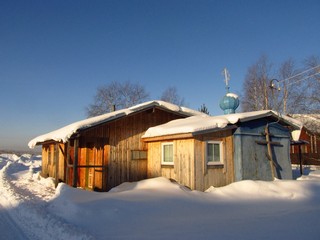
{"type": "Point", "coordinates": [229, 103]}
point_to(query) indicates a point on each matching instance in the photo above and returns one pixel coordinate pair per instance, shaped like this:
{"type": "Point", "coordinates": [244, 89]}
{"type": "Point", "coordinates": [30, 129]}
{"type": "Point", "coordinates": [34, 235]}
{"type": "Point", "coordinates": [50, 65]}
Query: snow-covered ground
{"type": "Point", "coordinates": [157, 208]}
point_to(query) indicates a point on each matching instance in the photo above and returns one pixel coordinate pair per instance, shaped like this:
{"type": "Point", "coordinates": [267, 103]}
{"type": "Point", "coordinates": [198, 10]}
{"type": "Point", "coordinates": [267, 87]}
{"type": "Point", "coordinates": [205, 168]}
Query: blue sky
{"type": "Point", "coordinates": [54, 54]}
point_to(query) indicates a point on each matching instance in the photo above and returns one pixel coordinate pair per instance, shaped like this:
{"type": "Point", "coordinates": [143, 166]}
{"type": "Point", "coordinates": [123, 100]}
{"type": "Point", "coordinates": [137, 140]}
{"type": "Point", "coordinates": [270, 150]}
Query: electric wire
{"type": "Point", "coordinates": [300, 80]}
{"type": "Point", "coordinates": [301, 73]}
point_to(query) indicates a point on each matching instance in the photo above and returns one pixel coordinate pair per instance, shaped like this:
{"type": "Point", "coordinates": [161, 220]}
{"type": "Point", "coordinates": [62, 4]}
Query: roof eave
{"type": "Point", "coordinates": [274, 115]}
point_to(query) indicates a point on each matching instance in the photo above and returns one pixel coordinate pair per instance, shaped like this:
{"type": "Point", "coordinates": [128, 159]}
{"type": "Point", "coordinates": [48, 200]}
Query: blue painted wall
{"type": "Point", "coordinates": [251, 159]}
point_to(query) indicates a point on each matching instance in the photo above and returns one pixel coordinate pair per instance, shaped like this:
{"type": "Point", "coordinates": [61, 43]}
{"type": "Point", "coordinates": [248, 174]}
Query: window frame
{"type": "Point", "coordinates": [162, 153]}
{"type": "Point", "coordinates": [221, 156]}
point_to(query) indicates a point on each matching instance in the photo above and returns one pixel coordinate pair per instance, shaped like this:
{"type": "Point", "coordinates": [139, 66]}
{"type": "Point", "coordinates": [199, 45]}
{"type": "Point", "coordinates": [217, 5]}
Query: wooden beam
{"type": "Point", "coordinates": [75, 163]}
{"type": "Point", "coordinates": [269, 151]}
{"type": "Point", "coordinates": [168, 137]}
{"type": "Point", "coordinates": [61, 149]}
{"type": "Point", "coordinates": [91, 166]}
{"type": "Point", "coordinates": [67, 146]}
{"type": "Point", "coordinates": [300, 160]}
{"type": "Point", "coordinates": [272, 143]}
{"type": "Point", "coordinates": [56, 160]}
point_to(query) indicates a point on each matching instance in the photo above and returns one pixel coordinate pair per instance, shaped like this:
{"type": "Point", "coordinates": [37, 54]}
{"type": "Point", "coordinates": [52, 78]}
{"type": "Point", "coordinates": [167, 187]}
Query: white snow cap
{"type": "Point", "coordinates": [232, 95]}
{"type": "Point", "coordinates": [63, 134]}
{"type": "Point", "coordinates": [202, 123]}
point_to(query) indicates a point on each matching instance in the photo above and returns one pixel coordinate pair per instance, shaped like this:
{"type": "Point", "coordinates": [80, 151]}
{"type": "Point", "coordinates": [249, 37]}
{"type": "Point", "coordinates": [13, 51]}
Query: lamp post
{"type": "Point", "coordinates": [273, 87]}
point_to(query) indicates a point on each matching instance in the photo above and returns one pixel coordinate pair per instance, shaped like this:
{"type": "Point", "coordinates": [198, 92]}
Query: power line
{"type": "Point", "coordinates": [300, 74]}
{"type": "Point", "coordinates": [303, 79]}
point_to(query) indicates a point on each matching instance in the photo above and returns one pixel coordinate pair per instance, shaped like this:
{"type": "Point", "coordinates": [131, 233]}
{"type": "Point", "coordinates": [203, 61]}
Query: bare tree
{"type": "Point", "coordinates": [286, 92]}
{"type": "Point", "coordinates": [313, 84]}
{"type": "Point", "coordinates": [302, 87]}
{"type": "Point", "coordinates": [116, 95]}
{"type": "Point", "coordinates": [171, 95]}
{"type": "Point", "coordinates": [204, 109]}
{"type": "Point", "coordinates": [257, 95]}
{"type": "Point", "coordinates": [295, 90]}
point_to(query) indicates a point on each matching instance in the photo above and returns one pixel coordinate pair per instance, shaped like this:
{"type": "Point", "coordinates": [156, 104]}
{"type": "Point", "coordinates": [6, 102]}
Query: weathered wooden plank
{"type": "Point", "coordinates": [75, 163]}
{"type": "Point", "coordinates": [168, 137]}
{"type": "Point", "coordinates": [199, 164]}
{"type": "Point", "coordinates": [184, 161]}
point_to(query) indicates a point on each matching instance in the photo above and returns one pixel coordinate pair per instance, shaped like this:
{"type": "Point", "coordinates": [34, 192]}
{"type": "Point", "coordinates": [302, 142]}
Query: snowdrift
{"type": "Point", "coordinates": [159, 208]}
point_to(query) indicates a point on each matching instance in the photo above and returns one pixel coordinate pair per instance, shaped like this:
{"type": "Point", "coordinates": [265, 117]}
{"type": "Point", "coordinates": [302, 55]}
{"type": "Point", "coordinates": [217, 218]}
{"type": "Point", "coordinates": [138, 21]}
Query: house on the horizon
{"type": "Point", "coordinates": [102, 152]}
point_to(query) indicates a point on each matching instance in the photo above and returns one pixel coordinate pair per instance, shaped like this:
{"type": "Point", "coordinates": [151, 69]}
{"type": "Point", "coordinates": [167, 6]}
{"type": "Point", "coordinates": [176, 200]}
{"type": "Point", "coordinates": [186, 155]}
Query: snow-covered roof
{"type": "Point", "coordinates": [310, 121]}
{"type": "Point", "coordinates": [63, 134]}
{"type": "Point", "coordinates": [202, 123]}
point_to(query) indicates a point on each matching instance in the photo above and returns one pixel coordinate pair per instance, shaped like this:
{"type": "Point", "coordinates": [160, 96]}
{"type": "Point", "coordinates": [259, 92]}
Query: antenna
{"type": "Point", "coordinates": [226, 78]}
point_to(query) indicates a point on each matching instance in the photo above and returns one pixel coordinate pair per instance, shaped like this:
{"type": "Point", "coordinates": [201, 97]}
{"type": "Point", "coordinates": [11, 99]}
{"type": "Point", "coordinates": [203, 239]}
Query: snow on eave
{"type": "Point", "coordinates": [168, 106]}
{"type": "Point", "coordinates": [295, 125]}
{"type": "Point", "coordinates": [187, 125]}
{"type": "Point", "coordinates": [249, 116]}
{"type": "Point", "coordinates": [310, 121]}
{"type": "Point", "coordinates": [65, 133]}
{"type": "Point", "coordinates": [198, 124]}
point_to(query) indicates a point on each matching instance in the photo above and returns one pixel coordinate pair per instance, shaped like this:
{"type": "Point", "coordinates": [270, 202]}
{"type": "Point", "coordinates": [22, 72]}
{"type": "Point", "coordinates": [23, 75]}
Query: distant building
{"type": "Point", "coordinates": [310, 137]}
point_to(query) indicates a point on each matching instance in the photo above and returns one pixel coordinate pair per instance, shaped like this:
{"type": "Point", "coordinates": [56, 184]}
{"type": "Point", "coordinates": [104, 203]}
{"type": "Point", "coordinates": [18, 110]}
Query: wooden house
{"type": "Point", "coordinates": [309, 136]}
{"type": "Point", "coordinates": [204, 151]}
{"type": "Point", "coordinates": [104, 151]}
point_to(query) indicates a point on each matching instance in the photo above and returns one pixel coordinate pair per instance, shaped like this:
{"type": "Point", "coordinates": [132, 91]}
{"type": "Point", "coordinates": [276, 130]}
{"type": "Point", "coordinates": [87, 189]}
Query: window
{"type": "Point", "coordinates": [167, 153]}
{"type": "Point", "coordinates": [214, 152]}
{"type": "Point", "coordinates": [138, 155]}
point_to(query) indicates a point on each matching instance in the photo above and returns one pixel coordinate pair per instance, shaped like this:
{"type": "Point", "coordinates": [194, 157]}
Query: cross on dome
{"type": "Point", "coordinates": [230, 102]}
{"type": "Point", "coordinates": [226, 78]}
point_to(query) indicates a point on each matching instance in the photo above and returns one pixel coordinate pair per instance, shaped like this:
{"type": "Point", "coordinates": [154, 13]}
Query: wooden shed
{"type": "Point", "coordinates": [204, 151]}
{"type": "Point", "coordinates": [104, 151]}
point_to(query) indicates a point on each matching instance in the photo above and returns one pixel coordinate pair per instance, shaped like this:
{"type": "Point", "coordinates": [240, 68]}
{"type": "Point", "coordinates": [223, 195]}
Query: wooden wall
{"type": "Point", "coordinates": [111, 145]}
{"type": "Point", "coordinates": [183, 169]}
{"type": "Point", "coordinates": [105, 152]}
{"type": "Point", "coordinates": [53, 163]}
{"type": "Point", "coordinates": [125, 135]}
{"type": "Point", "coordinates": [310, 152]}
{"type": "Point", "coordinates": [47, 160]}
{"type": "Point", "coordinates": [61, 159]}
{"type": "Point", "coordinates": [190, 167]}
{"type": "Point", "coordinates": [252, 157]}
{"type": "Point", "coordinates": [214, 175]}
